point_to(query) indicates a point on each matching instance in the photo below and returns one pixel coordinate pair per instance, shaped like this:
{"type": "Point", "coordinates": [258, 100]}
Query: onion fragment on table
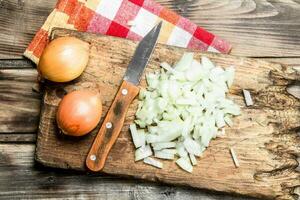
{"type": "Point", "coordinates": [248, 98]}
{"type": "Point", "coordinates": [182, 109]}
{"type": "Point", "coordinates": [234, 158]}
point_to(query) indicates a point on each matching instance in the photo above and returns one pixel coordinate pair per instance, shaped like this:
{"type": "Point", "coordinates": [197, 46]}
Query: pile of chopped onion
{"type": "Point", "coordinates": [183, 108]}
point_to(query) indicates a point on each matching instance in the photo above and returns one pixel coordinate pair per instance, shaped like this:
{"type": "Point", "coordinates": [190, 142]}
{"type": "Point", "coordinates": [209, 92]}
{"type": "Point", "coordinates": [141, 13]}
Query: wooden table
{"type": "Point", "coordinates": [263, 29]}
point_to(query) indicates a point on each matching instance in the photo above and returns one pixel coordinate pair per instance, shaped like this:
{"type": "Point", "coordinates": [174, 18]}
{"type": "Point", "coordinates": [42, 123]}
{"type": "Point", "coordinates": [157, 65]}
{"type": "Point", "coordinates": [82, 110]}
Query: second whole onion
{"type": "Point", "coordinates": [79, 112]}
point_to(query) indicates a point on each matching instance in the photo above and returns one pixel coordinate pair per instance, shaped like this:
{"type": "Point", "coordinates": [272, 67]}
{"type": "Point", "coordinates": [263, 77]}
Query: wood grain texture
{"type": "Point", "coordinates": [17, 138]}
{"type": "Point", "coordinates": [19, 21]}
{"type": "Point", "coordinates": [256, 28]}
{"type": "Point", "coordinates": [292, 62]}
{"type": "Point", "coordinates": [264, 136]}
{"type": "Point", "coordinates": [16, 64]}
{"type": "Point", "coordinates": [19, 104]}
{"type": "Point", "coordinates": [22, 178]}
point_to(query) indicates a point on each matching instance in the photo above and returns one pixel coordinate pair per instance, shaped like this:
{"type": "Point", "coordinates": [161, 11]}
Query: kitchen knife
{"type": "Point", "coordinates": [115, 117]}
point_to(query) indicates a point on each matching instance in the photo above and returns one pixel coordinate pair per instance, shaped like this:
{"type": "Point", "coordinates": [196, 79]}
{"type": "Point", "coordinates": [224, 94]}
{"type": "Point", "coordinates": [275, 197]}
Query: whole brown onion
{"type": "Point", "coordinates": [64, 59]}
{"type": "Point", "coordinates": [79, 112]}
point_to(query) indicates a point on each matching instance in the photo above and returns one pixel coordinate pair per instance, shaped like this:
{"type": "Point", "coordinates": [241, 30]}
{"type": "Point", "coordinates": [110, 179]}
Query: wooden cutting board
{"type": "Point", "coordinates": [264, 136]}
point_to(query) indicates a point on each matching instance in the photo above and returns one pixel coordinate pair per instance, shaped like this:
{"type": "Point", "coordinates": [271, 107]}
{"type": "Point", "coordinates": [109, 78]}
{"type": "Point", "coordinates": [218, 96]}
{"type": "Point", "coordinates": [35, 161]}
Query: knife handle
{"type": "Point", "coordinates": [111, 126]}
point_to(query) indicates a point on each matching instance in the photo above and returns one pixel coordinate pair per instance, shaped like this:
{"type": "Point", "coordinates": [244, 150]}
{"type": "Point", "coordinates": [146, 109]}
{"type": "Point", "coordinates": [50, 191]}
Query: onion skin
{"type": "Point", "coordinates": [64, 59]}
{"type": "Point", "coordinates": [79, 112]}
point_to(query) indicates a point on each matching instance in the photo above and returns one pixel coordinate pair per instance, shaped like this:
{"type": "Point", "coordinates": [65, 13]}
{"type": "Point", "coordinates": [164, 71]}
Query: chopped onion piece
{"type": "Point", "coordinates": [181, 150]}
{"type": "Point", "coordinates": [234, 157]}
{"type": "Point", "coordinates": [169, 151]}
{"type": "Point", "coordinates": [167, 67]}
{"type": "Point", "coordinates": [163, 155]}
{"type": "Point", "coordinates": [228, 121]}
{"type": "Point", "coordinates": [185, 101]}
{"type": "Point", "coordinates": [216, 74]}
{"type": "Point", "coordinates": [141, 123]}
{"type": "Point", "coordinates": [161, 103]}
{"type": "Point", "coordinates": [174, 90]}
{"type": "Point", "coordinates": [143, 152]}
{"type": "Point", "coordinates": [142, 137]}
{"type": "Point", "coordinates": [205, 138]}
{"type": "Point", "coordinates": [248, 98]}
{"type": "Point", "coordinates": [195, 72]}
{"type": "Point", "coordinates": [187, 126]}
{"type": "Point", "coordinates": [220, 119]}
{"type": "Point", "coordinates": [185, 62]}
{"type": "Point", "coordinates": [163, 88]}
{"type": "Point", "coordinates": [138, 136]}
{"type": "Point", "coordinates": [206, 63]}
{"type": "Point", "coordinates": [229, 75]}
{"type": "Point", "coordinates": [153, 162]}
{"type": "Point", "coordinates": [142, 94]}
{"type": "Point", "coordinates": [169, 136]}
{"type": "Point", "coordinates": [163, 145]}
{"type": "Point", "coordinates": [234, 110]}
{"type": "Point", "coordinates": [152, 129]}
{"type": "Point", "coordinates": [152, 80]}
{"type": "Point", "coordinates": [193, 159]}
{"type": "Point", "coordinates": [192, 146]}
{"type": "Point", "coordinates": [185, 164]}
{"type": "Point", "coordinates": [151, 138]}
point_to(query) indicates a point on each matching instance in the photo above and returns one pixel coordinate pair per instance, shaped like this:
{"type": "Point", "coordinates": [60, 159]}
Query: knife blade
{"type": "Point", "coordinates": [141, 56]}
{"type": "Point", "coordinates": [115, 117]}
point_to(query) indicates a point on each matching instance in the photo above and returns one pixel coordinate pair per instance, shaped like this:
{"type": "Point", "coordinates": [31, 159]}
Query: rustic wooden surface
{"type": "Point", "coordinates": [263, 135]}
{"type": "Point", "coordinates": [268, 29]}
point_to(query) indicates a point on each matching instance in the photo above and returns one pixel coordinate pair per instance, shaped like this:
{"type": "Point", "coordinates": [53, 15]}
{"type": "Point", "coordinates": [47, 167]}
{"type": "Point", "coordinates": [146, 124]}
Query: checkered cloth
{"type": "Point", "coordinates": [130, 19]}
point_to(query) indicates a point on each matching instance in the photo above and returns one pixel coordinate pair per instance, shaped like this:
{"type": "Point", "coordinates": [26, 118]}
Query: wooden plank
{"type": "Point", "coordinates": [17, 138]}
{"type": "Point", "coordinates": [293, 62]}
{"type": "Point", "coordinates": [19, 21]}
{"type": "Point", "coordinates": [256, 138]}
{"type": "Point", "coordinates": [24, 179]}
{"type": "Point", "coordinates": [255, 28]}
{"type": "Point", "coordinates": [16, 64]}
{"type": "Point", "coordinates": [20, 106]}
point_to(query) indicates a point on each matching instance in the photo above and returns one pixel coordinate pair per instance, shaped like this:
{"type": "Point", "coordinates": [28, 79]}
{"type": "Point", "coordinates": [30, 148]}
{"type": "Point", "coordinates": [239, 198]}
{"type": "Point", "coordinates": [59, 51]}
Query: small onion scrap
{"type": "Point", "coordinates": [64, 59]}
{"type": "Point", "coordinates": [79, 112]}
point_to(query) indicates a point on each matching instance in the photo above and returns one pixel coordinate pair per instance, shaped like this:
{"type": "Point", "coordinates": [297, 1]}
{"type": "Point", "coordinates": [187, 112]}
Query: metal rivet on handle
{"type": "Point", "coordinates": [124, 92]}
{"type": "Point", "coordinates": [93, 157]}
{"type": "Point", "coordinates": [108, 125]}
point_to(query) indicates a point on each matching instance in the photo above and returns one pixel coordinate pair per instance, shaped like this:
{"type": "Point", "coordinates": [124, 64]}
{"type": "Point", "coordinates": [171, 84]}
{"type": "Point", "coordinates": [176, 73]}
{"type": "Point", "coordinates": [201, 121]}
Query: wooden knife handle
{"type": "Point", "coordinates": [111, 126]}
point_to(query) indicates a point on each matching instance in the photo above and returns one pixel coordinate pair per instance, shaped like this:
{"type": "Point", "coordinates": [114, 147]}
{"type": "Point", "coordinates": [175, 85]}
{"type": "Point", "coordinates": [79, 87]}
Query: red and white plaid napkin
{"type": "Point", "coordinates": [130, 19]}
